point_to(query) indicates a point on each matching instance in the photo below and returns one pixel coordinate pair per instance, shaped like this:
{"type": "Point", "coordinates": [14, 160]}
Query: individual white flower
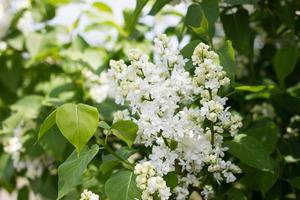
{"type": "Point", "coordinates": [293, 129]}
{"type": "Point", "coordinates": [3, 46]}
{"type": "Point", "coordinates": [88, 195]}
{"type": "Point", "coordinates": [207, 192]}
{"type": "Point", "coordinates": [13, 145]}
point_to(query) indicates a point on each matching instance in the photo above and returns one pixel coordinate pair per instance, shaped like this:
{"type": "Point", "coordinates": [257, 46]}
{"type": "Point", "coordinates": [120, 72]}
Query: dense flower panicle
{"type": "Point", "coordinates": [151, 183]}
{"type": "Point", "coordinates": [88, 195]}
{"type": "Point", "coordinates": [182, 117]}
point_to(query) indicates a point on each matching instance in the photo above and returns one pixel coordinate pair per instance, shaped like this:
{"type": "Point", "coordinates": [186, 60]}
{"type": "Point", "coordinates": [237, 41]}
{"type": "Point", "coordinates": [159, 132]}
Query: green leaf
{"type": "Point", "coordinates": [280, 102]}
{"type": "Point", "coordinates": [250, 151]}
{"type": "Point", "coordinates": [193, 16]}
{"type": "Point", "coordinates": [237, 29]}
{"type": "Point", "coordinates": [240, 2]}
{"type": "Point", "coordinates": [133, 19]}
{"type": "Point", "coordinates": [266, 180]}
{"type": "Point", "coordinates": [295, 182]}
{"type": "Point", "coordinates": [77, 122]}
{"type": "Point", "coordinates": [158, 5]}
{"type": "Point", "coordinates": [58, 2]}
{"type": "Point", "coordinates": [253, 88]}
{"type": "Point", "coordinates": [266, 132]}
{"type": "Point", "coordinates": [51, 141]}
{"type": "Point", "coordinates": [210, 9]}
{"type": "Point", "coordinates": [23, 194]}
{"type": "Point", "coordinates": [6, 168]}
{"type": "Point", "coordinates": [12, 122]}
{"type": "Point", "coordinates": [29, 106]}
{"type": "Point", "coordinates": [109, 161]}
{"type": "Point", "coordinates": [70, 172]}
{"type": "Point", "coordinates": [102, 7]}
{"type": "Point", "coordinates": [104, 125]}
{"type": "Point", "coordinates": [235, 194]}
{"type": "Point", "coordinates": [202, 30]}
{"type": "Point", "coordinates": [171, 179]}
{"type": "Point", "coordinates": [125, 130]}
{"type": "Point", "coordinates": [227, 59]}
{"type": "Point", "coordinates": [47, 124]}
{"type": "Point", "coordinates": [122, 186]}
{"type": "Point", "coordinates": [285, 61]}
{"type": "Point", "coordinates": [11, 71]}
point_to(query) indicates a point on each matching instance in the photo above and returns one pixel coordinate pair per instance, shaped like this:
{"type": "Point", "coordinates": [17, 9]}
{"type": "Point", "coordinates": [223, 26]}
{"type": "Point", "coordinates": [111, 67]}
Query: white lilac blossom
{"type": "Point", "coordinates": [98, 86]}
{"type": "Point", "coordinates": [150, 183]}
{"type": "Point", "coordinates": [88, 195]}
{"type": "Point", "coordinates": [207, 192]}
{"type": "Point", "coordinates": [263, 110]}
{"type": "Point", "coordinates": [33, 167]}
{"type": "Point", "coordinates": [180, 116]}
{"type": "Point", "coordinates": [293, 129]}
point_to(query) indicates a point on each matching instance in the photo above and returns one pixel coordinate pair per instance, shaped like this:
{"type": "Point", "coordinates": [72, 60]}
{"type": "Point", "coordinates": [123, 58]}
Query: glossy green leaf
{"type": "Point", "coordinates": [284, 62]}
{"type": "Point", "coordinates": [266, 132]}
{"type": "Point", "coordinates": [237, 29]}
{"type": "Point", "coordinates": [210, 9]}
{"type": "Point", "coordinates": [122, 186]}
{"type": "Point", "coordinates": [194, 16]}
{"type": "Point", "coordinates": [70, 171]}
{"type": "Point", "coordinates": [202, 29]}
{"type": "Point", "coordinates": [77, 122]}
{"type": "Point", "coordinates": [125, 130]}
{"type": "Point", "coordinates": [250, 152]}
{"type": "Point", "coordinates": [227, 59]}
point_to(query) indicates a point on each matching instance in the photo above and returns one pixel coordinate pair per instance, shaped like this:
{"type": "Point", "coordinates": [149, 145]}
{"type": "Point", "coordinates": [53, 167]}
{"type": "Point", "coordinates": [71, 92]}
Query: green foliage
{"type": "Point", "coordinates": [109, 162]}
{"type": "Point", "coordinates": [227, 59]}
{"type": "Point", "coordinates": [158, 5]}
{"type": "Point", "coordinates": [47, 124]}
{"type": "Point", "coordinates": [237, 29]}
{"type": "Point", "coordinates": [77, 123]}
{"type": "Point", "coordinates": [122, 186]}
{"type": "Point", "coordinates": [71, 170]}
{"type": "Point", "coordinates": [285, 60]}
{"type": "Point", "coordinates": [250, 151]}
{"type": "Point", "coordinates": [125, 130]}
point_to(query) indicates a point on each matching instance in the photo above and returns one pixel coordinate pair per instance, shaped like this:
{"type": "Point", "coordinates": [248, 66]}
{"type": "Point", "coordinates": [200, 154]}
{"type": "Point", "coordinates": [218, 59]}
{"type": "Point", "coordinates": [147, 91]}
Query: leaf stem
{"type": "Point", "coordinates": [109, 149]}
